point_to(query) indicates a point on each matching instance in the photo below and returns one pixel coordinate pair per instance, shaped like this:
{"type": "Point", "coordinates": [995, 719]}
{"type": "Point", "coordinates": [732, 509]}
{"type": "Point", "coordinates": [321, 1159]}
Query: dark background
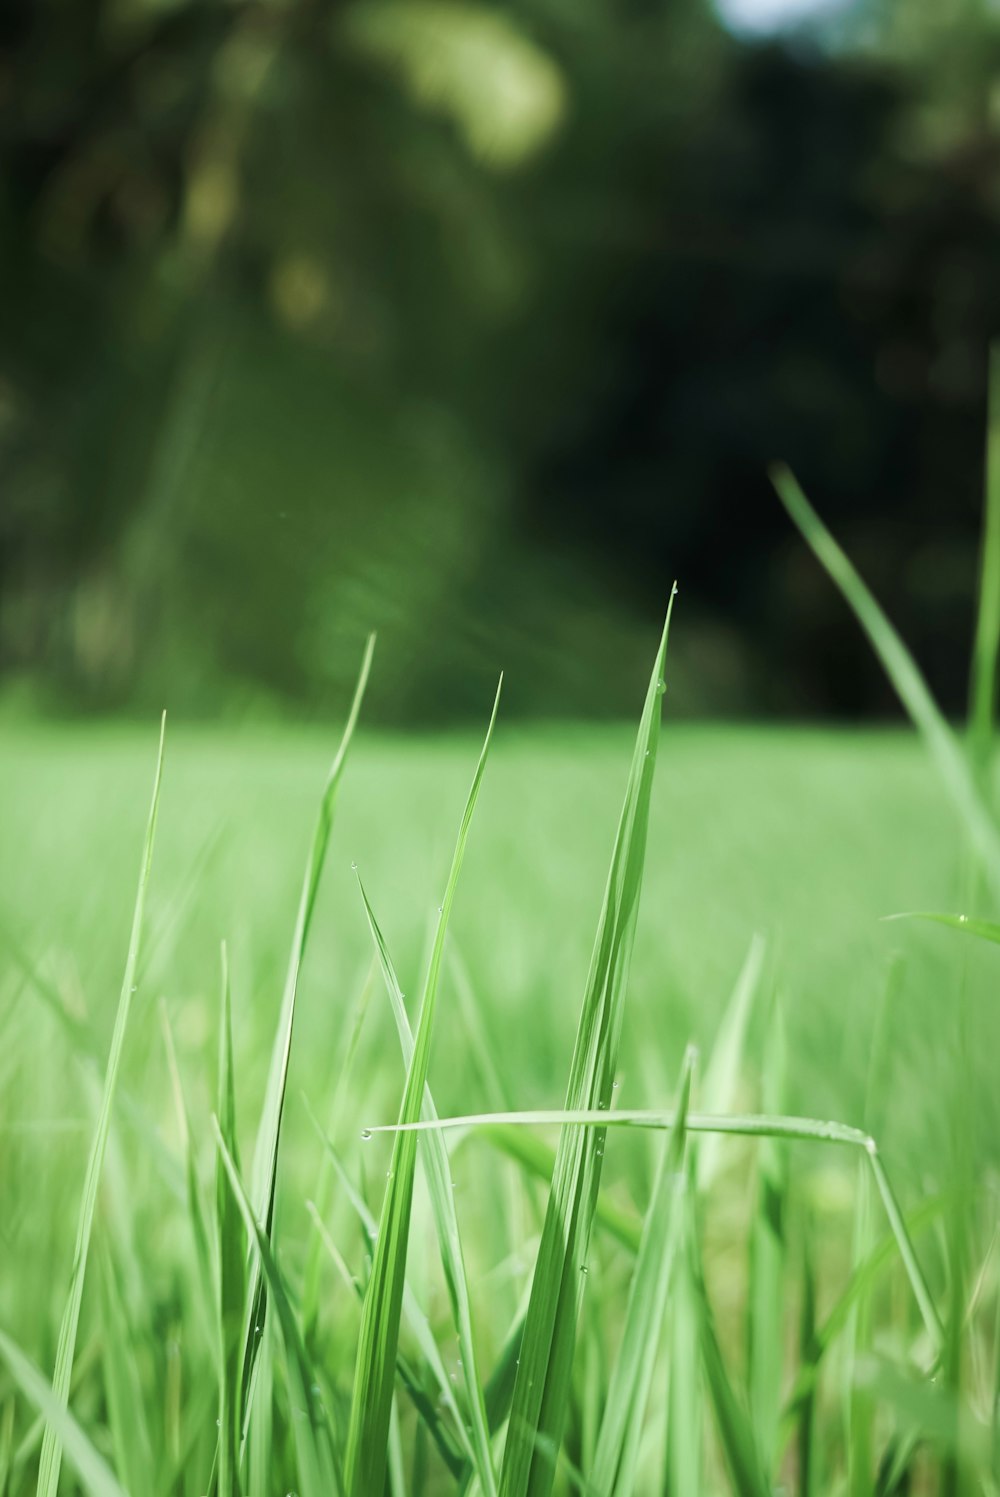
{"type": "Point", "coordinates": [478, 326]}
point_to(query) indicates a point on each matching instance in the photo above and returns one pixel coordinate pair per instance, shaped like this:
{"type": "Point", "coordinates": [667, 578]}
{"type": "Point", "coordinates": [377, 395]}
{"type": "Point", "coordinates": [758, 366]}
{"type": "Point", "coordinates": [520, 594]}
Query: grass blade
{"type": "Point", "coordinates": [96, 1475]}
{"type": "Point", "coordinates": [375, 1368]}
{"type": "Point", "coordinates": [613, 1471]}
{"type": "Point", "coordinates": [126, 1415]}
{"type": "Point", "coordinates": [736, 1432]}
{"type": "Point", "coordinates": [986, 648]}
{"type": "Point", "coordinates": [446, 1225]}
{"type": "Point", "coordinates": [722, 1074]}
{"type": "Point", "coordinates": [265, 1164]}
{"type": "Point", "coordinates": [313, 1445]}
{"type": "Point", "coordinates": [957, 776]}
{"type": "Point", "coordinates": [51, 1456]}
{"type": "Point", "coordinates": [231, 1244]}
{"type": "Point", "coordinates": [768, 1263]}
{"type": "Point", "coordinates": [541, 1389]}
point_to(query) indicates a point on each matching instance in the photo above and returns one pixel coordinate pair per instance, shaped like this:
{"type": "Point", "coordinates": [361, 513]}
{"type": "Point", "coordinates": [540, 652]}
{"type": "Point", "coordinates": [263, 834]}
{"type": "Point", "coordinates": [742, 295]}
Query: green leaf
{"type": "Point", "coordinates": [265, 1164]}
{"type": "Point", "coordinates": [542, 1386]}
{"type": "Point", "coordinates": [375, 1368]}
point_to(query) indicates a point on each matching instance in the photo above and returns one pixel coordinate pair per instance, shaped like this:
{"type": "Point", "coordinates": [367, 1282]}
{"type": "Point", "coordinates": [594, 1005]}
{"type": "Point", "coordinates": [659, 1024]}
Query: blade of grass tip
{"type": "Point", "coordinates": [231, 1248]}
{"type": "Point", "coordinates": [413, 1380]}
{"type": "Point", "coordinates": [95, 1474]}
{"type": "Point", "coordinates": [614, 1468]}
{"type": "Point", "coordinates": [313, 1444]}
{"type": "Point", "coordinates": [768, 1252]}
{"type": "Point", "coordinates": [986, 649]}
{"type": "Point", "coordinates": [51, 1456]}
{"type": "Point", "coordinates": [985, 930]}
{"type": "Point", "coordinates": [953, 767]}
{"type": "Point", "coordinates": [199, 1228]}
{"type": "Point", "coordinates": [126, 1415]}
{"type": "Point", "coordinates": [265, 1163]}
{"type": "Point", "coordinates": [542, 1386]}
{"type": "Point", "coordinates": [442, 1197]}
{"type": "Point", "coordinates": [375, 1367]}
{"type": "Point", "coordinates": [722, 1074]}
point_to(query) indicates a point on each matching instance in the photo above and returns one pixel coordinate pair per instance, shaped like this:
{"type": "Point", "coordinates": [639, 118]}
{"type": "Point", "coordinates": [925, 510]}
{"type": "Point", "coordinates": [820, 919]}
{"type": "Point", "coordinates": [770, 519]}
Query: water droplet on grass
{"type": "Point", "coordinates": [366, 1134]}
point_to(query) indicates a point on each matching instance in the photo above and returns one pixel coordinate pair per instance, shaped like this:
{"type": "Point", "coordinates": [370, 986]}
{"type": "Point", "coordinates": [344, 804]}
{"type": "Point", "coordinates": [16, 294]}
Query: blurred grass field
{"type": "Point", "coordinates": [806, 838]}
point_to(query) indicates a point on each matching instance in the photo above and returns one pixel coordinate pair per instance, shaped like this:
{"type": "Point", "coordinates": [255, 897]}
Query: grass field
{"type": "Point", "coordinates": [748, 1245]}
{"type": "Point", "coordinates": [803, 838]}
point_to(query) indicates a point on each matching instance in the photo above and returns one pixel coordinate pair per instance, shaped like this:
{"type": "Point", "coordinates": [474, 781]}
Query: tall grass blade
{"type": "Point", "coordinates": [957, 776]}
{"type": "Point", "coordinates": [265, 1163]}
{"type": "Point", "coordinates": [614, 1468]}
{"type": "Point", "coordinates": [51, 1456]}
{"type": "Point", "coordinates": [375, 1368]}
{"type": "Point", "coordinates": [94, 1472]}
{"type": "Point", "coordinates": [313, 1444]}
{"type": "Point", "coordinates": [768, 1263]}
{"type": "Point", "coordinates": [231, 1248]}
{"type": "Point", "coordinates": [732, 1420]}
{"type": "Point", "coordinates": [684, 1453]}
{"type": "Point", "coordinates": [126, 1414]}
{"type": "Point", "coordinates": [442, 1198]}
{"type": "Point", "coordinates": [542, 1386]}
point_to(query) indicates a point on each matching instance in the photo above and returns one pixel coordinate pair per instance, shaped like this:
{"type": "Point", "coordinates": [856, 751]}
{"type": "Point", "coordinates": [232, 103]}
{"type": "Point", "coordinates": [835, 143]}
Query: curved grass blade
{"type": "Point", "coordinates": [375, 1368]}
{"type": "Point", "coordinates": [265, 1163]}
{"type": "Point", "coordinates": [313, 1444]}
{"type": "Point", "coordinates": [51, 1456]}
{"type": "Point", "coordinates": [749, 1125]}
{"type": "Point", "coordinates": [542, 1386]}
{"type": "Point", "coordinates": [96, 1475]}
{"type": "Point", "coordinates": [958, 778]}
{"type": "Point", "coordinates": [614, 1469]}
{"type": "Point", "coordinates": [449, 1238]}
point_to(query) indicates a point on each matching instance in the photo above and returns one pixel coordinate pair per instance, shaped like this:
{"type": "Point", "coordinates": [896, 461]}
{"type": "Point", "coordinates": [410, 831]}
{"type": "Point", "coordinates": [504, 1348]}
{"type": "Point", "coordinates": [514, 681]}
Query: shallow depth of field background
{"type": "Point", "coordinates": [477, 326]}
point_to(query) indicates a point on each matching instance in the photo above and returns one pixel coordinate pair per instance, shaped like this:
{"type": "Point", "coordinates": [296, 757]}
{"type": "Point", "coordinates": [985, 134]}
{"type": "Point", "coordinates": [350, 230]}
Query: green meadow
{"type": "Point", "coordinates": [774, 1272]}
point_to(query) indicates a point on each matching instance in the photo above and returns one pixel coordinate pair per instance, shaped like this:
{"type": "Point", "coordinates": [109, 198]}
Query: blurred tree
{"type": "Point", "coordinates": [479, 324]}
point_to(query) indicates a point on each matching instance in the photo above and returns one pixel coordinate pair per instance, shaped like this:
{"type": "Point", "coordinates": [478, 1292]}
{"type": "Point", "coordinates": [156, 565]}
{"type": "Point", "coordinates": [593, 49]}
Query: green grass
{"type": "Point", "coordinates": [750, 1319]}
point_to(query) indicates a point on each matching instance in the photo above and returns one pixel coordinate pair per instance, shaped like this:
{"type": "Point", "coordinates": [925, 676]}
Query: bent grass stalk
{"type": "Point", "coordinates": [746, 1125]}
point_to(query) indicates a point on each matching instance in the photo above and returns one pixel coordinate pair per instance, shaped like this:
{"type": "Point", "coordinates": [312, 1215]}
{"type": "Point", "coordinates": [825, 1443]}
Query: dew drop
{"type": "Point", "coordinates": [962, 919]}
{"type": "Point", "coordinates": [584, 1268]}
{"type": "Point", "coordinates": [366, 1134]}
{"type": "Point", "coordinates": [354, 866]}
